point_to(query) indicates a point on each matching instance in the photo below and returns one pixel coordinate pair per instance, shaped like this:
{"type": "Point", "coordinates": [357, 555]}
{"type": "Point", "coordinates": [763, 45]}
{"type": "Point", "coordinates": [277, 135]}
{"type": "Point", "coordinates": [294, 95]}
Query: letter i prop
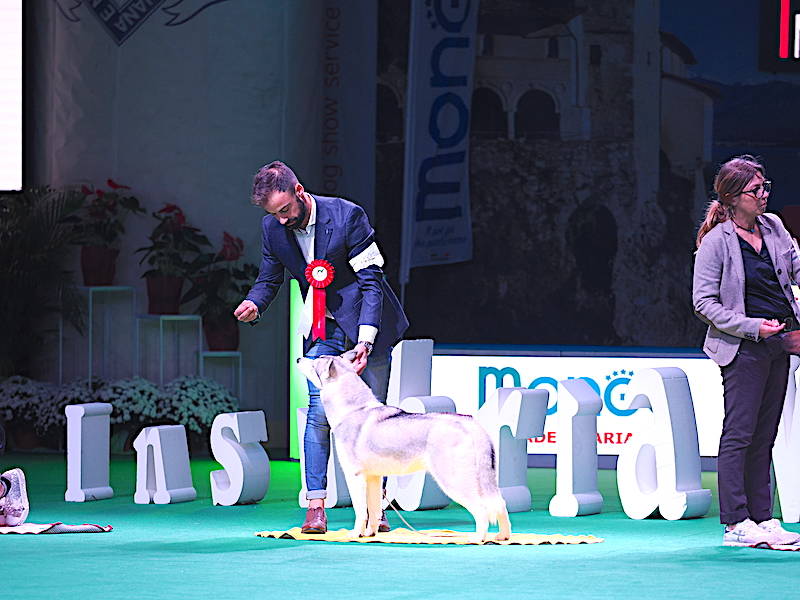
{"type": "Point", "coordinates": [576, 476]}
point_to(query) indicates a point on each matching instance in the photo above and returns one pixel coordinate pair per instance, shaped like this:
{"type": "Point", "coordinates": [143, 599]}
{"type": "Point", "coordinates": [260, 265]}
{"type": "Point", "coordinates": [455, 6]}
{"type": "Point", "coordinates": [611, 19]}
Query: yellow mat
{"type": "Point", "coordinates": [428, 536]}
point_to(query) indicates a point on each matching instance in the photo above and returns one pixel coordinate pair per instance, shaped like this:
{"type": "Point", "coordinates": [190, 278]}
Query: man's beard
{"type": "Point", "coordinates": [300, 218]}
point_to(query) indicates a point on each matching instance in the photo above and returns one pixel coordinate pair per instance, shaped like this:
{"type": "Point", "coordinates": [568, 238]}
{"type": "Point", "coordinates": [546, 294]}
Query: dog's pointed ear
{"type": "Point", "coordinates": [331, 368]}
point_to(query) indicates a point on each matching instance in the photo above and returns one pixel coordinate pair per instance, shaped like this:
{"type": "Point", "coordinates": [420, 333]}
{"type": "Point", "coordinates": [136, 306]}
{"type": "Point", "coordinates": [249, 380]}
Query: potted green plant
{"type": "Point", "coordinates": [99, 228]}
{"type": "Point", "coordinates": [35, 237]}
{"type": "Point", "coordinates": [174, 245]}
{"type": "Point", "coordinates": [220, 283]}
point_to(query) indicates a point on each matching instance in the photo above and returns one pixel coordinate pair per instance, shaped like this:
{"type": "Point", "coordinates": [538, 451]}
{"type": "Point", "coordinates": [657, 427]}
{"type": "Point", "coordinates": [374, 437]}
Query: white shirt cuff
{"type": "Point", "coordinates": [367, 333]}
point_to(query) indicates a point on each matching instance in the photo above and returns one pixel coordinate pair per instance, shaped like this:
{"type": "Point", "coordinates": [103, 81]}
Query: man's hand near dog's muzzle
{"type": "Point", "coordinates": [360, 359]}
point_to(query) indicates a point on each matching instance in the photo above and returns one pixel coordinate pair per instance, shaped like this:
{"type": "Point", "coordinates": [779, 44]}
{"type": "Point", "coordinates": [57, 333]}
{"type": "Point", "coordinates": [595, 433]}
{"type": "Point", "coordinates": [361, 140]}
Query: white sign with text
{"type": "Point", "coordinates": [470, 380]}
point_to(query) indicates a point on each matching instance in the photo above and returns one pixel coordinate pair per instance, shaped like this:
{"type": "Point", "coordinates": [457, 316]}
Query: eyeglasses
{"type": "Point", "coordinates": [760, 190]}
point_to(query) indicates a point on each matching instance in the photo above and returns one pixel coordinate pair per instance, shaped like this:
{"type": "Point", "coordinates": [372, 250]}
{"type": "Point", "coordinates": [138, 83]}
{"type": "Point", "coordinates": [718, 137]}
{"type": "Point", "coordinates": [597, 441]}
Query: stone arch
{"type": "Point", "coordinates": [592, 236]}
{"type": "Point", "coordinates": [488, 118]}
{"type": "Point", "coordinates": [536, 116]}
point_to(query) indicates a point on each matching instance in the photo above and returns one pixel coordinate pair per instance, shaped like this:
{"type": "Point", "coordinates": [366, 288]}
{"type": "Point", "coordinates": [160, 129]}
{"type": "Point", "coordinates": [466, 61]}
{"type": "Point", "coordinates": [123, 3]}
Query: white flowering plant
{"type": "Point", "coordinates": [135, 400]}
{"type": "Point", "coordinates": [194, 402]}
{"type": "Point", "coordinates": [51, 414]}
{"type": "Point", "coordinates": [21, 399]}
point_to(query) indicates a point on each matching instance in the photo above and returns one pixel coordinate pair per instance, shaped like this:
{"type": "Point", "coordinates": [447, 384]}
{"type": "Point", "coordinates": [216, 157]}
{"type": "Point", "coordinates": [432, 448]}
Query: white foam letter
{"type": "Point", "coordinates": [511, 416]}
{"type": "Point", "coordinates": [576, 475]}
{"type": "Point", "coordinates": [235, 438]}
{"type": "Point", "coordinates": [88, 434]}
{"type": "Point", "coordinates": [163, 475]}
{"type": "Point", "coordinates": [659, 468]}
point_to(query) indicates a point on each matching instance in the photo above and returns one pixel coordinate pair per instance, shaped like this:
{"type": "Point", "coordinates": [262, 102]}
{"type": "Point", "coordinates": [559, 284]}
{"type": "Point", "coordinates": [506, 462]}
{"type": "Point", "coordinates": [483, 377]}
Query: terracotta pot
{"type": "Point", "coordinates": [222, 333]}
{"type": "Point", "coordinates": [98, 264]}
{"type": "Point", "coordinates": [164, 294]}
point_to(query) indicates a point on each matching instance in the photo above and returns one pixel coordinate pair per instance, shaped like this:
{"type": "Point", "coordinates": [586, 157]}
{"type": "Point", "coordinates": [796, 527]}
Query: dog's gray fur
{"type": "Point", "coordinates": [373, 440]}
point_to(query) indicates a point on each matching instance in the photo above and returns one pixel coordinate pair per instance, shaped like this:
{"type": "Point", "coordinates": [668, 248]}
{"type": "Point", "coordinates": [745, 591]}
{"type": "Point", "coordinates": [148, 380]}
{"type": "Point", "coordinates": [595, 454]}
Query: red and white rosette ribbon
{"type": "Point", "coordinates": [319, 274]}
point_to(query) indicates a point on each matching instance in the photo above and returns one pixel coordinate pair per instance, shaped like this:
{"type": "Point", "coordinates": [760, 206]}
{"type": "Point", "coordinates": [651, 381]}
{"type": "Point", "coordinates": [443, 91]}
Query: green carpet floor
{"type": "Point", "coordinates": [195, 550]}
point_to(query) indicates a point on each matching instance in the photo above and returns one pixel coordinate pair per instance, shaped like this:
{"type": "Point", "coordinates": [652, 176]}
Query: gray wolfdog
{"type": "Point", "coordinates": [373, 440]}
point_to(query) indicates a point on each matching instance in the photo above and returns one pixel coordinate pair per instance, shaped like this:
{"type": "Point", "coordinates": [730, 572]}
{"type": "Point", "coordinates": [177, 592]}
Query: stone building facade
{"type": "Point", "coordinates": [588, 148]}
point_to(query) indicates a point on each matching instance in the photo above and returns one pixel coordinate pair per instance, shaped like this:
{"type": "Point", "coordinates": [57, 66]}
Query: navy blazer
{"type": "Point", "coordinates": [354, 298]}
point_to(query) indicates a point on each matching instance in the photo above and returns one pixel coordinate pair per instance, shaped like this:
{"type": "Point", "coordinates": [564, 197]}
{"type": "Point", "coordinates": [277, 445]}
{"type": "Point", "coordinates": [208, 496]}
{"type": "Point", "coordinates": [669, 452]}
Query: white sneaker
{"type": "Point", "coordinates": [14, 505]}
{"type": "Point", "coordinates": [782, 537]}
{"type": "Point", "coordinates": [747, 533]}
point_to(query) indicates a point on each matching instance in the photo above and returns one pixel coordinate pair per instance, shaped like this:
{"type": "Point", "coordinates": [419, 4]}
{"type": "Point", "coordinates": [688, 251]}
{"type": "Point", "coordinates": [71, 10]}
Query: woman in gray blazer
{"type": "Point", "coordinates": [743, 271]}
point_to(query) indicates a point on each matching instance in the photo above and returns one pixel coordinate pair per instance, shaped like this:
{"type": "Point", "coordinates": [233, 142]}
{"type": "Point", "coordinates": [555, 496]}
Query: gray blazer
{"type": "Point", "coordinates": [718, 286]}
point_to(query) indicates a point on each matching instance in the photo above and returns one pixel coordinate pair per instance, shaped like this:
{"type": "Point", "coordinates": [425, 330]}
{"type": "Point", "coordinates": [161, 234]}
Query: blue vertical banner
{"type": "Point", "coordinates": [437, 226]}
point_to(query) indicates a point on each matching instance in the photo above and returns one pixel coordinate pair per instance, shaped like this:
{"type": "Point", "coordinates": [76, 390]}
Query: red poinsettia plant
{"type": "Point", "coordinates": [174, 246]}
{"type": "Point", "coordinates": [101, 219]}
{"type": "Point", "coordinates": [219, 281]}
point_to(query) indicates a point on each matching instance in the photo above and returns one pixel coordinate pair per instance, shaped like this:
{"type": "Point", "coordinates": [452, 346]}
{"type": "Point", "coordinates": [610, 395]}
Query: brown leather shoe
{"type": "Point", "coordinates": [383, 524]}
{"type": "Point", "coordinates": [316, 521]}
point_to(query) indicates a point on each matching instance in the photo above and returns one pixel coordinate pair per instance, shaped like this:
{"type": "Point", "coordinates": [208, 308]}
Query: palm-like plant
{"type": "Point", "coordinates": [35, 235]}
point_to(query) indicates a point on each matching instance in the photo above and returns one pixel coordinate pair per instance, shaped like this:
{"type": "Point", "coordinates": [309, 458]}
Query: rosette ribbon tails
{"type": "Point", "coordinates": [319, 274]}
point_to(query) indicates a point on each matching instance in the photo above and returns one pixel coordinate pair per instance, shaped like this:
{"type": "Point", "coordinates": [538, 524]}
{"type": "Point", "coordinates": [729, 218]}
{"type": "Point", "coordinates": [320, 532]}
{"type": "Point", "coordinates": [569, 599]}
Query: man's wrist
{"type": "Point", "coordinates": [367, 345]}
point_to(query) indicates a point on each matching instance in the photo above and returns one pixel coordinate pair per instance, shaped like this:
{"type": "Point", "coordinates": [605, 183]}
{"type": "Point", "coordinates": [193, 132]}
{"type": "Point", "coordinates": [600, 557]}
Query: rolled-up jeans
{"type": "Point", "coordinates": [316, 441]}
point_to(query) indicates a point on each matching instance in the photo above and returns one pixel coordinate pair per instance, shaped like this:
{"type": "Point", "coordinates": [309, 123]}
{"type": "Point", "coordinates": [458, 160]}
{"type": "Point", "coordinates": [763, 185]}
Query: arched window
{"type": "Point", "coordinates": [536, 116]}
{"type": "Point", "coordinates": [389, 116]}
{"type": "Point", "coordinates": [488, 120]}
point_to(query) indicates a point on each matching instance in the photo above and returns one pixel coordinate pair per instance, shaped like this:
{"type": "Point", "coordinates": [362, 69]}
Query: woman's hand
{"type": "Point", "coordinates": [770, 327]}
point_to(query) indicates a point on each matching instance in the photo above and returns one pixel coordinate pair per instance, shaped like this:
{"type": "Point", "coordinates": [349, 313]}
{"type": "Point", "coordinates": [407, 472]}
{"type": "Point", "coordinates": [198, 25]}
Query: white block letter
{"type": "Point", "coordinates": [163, 475]}
{"type": "Point", "coordinates": [511, 416]}
{"type": "Point", "coordinates": [659, 468]}
{"type": "Point", "coordinates": [88, 434]}
{"type": "Point", "coordinates": [787, 449]}
{"type": "Point", "coordinates": [576, 476]}
{"type": "Point", "coordinates": [235, 439]}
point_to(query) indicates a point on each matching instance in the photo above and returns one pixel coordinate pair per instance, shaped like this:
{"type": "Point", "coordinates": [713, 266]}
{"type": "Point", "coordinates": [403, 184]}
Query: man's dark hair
{"type": "Point", "coordinates": [274, 177]}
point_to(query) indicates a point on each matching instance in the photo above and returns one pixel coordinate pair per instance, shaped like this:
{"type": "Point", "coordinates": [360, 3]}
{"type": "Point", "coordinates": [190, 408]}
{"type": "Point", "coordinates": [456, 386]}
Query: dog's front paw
{"type": "Point", "coordinates": [500, 537]}
{"type": "Point", "coordinates": [369, 532]}
{"type": "Point", "coordinates": [354, 534]}
{"type": "Point", "coordinates": [476, 539]}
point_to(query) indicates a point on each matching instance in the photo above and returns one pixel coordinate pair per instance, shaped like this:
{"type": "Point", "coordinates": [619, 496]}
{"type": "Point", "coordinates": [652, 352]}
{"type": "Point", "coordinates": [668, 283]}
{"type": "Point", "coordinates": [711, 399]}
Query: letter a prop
{"type": "Point", "coordinates": [235, 439]}
{"type": "Point", "coordinates": [659, 468]}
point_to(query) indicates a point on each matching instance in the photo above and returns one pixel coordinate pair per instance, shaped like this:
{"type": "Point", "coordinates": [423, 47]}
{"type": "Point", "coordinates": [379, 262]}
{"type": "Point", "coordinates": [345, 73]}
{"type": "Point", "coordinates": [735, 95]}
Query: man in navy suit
{"type": "Point", "coordinates": [361, 310]}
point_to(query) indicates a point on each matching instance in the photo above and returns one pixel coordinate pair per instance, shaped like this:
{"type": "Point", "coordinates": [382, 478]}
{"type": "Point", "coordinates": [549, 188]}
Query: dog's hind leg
{"type": "Point", "coordinates": [505, 525]}
{"type": "Point", "coordinates": [466, 494]}
{"type": "Point", "coordinates": [478, 512]}
{"type": "Point", "coordinates": [374, 493]}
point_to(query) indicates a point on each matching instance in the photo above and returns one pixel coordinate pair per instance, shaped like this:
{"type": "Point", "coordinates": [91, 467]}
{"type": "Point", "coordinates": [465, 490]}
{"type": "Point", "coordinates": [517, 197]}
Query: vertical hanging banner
{"type": "Point", "coordinates": [437, 227]}
{"type": "Point", "coordinates": [11, 95]}
{"type": "Point", "coordinates": [349, 67]}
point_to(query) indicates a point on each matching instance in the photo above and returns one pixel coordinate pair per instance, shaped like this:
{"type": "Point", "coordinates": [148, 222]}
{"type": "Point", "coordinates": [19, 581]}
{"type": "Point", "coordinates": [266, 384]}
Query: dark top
{"type": "Point", "coordinates": [763, 296]}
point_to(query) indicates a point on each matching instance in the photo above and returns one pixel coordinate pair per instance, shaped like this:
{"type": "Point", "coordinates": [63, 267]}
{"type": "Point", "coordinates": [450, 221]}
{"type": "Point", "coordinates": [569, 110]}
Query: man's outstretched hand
{"type": "Point", "coordinates": [247, 311]}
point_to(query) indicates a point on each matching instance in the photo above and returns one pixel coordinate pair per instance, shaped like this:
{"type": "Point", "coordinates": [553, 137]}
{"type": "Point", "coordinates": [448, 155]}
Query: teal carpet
{"type": "Point", "coordinates": [195, 550]}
